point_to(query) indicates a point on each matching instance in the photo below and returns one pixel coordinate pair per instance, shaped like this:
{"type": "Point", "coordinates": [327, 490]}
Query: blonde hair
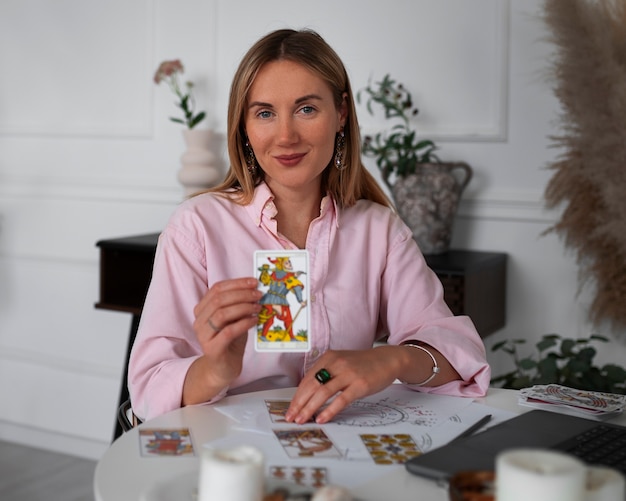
{"type": "Point", "coordinates": [309, 49]}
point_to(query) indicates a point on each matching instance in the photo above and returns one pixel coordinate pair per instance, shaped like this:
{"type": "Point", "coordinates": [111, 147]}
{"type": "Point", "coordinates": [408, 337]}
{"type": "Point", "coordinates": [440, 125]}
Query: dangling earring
{"type": "Point", "coordinates": [340, 149]}
{"type": "Point", "coordinates": [251, 163]}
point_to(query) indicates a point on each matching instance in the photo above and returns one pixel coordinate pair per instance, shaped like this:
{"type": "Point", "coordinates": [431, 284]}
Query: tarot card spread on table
{"type": "Point", "coordinates": [283, 323]}
{"type": "Point", "coordinates": [307, 443]}
{"type": "Point", "coordinates": [165, 442]}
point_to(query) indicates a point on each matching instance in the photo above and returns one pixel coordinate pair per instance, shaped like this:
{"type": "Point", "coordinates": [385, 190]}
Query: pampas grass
{"type": "Point", "coordinates": [589, 179]}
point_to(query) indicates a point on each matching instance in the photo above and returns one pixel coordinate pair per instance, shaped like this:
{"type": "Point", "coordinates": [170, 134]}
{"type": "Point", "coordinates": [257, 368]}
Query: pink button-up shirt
{"type": "Point", "coordinates": [367, 279]}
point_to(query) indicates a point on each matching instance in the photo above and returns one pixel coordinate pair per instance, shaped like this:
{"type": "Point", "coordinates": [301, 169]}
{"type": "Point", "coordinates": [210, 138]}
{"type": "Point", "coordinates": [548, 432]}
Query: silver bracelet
{"type": "Point", "coordinates": [435, 366]}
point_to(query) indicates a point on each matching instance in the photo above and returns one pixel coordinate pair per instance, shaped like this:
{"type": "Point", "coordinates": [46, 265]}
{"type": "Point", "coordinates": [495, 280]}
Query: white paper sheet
{"type": "Point", "coordinates": [430, 420]}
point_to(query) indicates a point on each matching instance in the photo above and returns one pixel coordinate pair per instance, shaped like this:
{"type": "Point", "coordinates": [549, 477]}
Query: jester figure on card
{"type": "Point", "coordinates": [281, 280]}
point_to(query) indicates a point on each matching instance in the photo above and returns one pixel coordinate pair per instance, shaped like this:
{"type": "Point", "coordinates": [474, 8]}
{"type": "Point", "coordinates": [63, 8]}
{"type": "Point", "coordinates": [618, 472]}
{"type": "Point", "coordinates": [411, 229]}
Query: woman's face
{"type": "Point", "coordinates": [291, 122]}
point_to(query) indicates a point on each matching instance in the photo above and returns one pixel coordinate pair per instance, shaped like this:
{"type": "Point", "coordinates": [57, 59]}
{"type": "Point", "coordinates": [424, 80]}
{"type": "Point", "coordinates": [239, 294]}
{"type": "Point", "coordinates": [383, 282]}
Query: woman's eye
{"type": "Point", "coordinates": [307, 110]}
{"type": "Point", "coordinates": [264, 114]}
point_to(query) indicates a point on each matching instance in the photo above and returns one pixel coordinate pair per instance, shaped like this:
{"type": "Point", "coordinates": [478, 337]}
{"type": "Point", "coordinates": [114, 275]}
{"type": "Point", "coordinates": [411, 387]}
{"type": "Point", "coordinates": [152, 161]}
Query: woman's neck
{"type": "Point", "coordinates": [295, 213]}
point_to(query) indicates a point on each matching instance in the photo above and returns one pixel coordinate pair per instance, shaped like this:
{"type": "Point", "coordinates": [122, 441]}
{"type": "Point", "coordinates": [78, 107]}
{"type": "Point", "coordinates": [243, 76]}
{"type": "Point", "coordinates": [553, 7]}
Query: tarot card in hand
{"type": "Point", "coordinates": [284, 320]}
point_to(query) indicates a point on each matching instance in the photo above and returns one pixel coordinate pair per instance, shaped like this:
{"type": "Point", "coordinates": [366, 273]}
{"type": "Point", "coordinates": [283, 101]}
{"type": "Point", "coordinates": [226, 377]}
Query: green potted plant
{"type": "Point", "coordinates": [559, 360]}
{"type": "Point", "coordinates": [426, 191]}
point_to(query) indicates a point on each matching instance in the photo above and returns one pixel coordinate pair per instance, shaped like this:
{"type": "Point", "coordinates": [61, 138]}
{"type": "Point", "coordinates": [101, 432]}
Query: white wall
{"type": "Point", "coordinates": [87, 152]}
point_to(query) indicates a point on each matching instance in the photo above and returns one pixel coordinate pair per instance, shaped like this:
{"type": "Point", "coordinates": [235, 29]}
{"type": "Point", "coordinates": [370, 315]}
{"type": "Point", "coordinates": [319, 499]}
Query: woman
{"type": "Point", "coordinates": [296, 181]}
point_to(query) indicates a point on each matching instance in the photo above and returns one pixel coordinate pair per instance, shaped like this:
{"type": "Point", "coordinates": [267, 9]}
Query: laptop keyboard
{"type": "Point", "coordinates": [601, 445]}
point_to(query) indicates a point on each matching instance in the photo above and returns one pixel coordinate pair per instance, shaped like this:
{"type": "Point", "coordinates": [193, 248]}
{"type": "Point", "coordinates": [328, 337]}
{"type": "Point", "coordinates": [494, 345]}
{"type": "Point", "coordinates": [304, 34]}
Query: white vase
{"type": "Point", "coordinates": [199, 170]}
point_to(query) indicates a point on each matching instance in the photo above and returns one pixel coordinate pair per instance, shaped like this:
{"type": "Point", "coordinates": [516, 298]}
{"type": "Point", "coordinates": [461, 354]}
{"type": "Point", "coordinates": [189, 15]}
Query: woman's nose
{"type": "Point", "coordinates": [287, 131]}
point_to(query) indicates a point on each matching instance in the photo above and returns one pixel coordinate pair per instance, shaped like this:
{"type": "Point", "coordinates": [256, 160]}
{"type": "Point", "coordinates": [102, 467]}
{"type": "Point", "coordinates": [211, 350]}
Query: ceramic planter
{"type": "Point", "coordinates": [427, 201]}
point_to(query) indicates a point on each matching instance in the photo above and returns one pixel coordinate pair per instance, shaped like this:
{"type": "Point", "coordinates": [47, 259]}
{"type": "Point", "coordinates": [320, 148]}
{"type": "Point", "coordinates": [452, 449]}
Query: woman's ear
{"type": "Point", "coordinates": [343, 109]}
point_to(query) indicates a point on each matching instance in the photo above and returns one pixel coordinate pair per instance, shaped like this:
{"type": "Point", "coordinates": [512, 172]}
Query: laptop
{"type": "Point", "coordinates": [537, 429]}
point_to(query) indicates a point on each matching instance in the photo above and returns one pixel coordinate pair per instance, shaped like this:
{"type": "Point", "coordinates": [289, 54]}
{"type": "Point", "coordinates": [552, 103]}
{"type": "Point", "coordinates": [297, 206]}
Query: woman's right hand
{"type": "Point", "coordinates": [222, 320]}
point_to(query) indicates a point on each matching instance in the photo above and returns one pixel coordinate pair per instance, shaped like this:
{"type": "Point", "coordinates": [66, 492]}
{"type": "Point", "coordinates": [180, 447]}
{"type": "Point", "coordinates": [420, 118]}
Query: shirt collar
{"type": "Point", "coordinates": [262, 201]}
{"type": "Point", "coordinates": [330, 205]}
{"type": "Point", "coordinates": [263, 205]}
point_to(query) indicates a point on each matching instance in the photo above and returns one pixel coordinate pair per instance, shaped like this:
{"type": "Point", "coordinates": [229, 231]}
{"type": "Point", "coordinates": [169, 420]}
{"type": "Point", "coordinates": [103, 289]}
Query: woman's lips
{"type": "Point", "coordinates": [290, 160]}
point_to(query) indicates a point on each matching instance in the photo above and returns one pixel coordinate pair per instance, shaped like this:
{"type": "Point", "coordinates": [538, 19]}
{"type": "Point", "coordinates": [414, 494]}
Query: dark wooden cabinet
{"type": "Point", "coordinates": [125, 274]}
{"type": "Point", "coordinates": [474, 285]}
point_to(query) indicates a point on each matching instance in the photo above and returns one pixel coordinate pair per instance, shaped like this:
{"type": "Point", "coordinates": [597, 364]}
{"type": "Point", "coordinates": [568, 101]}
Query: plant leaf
{"type": "Point", "coordinates": [527, 364]}
{"type": "Point", "coordinates": [199, 117]}
{"type": "Point", "coordinates": [596, 337]}
{"type": "Point", "coordinates": [545, 343]}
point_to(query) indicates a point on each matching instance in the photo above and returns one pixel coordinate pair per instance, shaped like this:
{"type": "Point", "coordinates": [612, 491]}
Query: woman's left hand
{"type": "Point", "coordinates": [354, 374]}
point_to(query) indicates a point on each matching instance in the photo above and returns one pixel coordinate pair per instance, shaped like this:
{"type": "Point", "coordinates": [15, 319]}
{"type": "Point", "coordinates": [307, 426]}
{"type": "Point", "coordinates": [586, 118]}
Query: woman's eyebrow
{"type": "Point", "coordinates": [259, 103]}
{"type": "Point", "coordinates": [302, 99]}
{"type": "Point", "coordinates": [308, 97]}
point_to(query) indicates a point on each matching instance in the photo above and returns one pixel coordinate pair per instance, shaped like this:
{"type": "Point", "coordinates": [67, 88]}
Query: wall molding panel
{"type": "Point", "coordinates": [90, 190]}
{"type": "Point", "coordinates": [95, 60]}
{"type": "Point", "coordinates": [55, 363]}
{"type": "Point", "coordinates": [441, 58]}
{"type": "Point", "coordinates": [53, 441]}
{"type": "Point", "coordinates": [510, 204]}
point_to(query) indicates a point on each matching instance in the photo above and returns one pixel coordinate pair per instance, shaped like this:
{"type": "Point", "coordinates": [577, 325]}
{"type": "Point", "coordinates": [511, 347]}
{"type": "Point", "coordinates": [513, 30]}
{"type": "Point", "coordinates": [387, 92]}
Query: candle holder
{"type": "Point", "coordinates": [472, 486]}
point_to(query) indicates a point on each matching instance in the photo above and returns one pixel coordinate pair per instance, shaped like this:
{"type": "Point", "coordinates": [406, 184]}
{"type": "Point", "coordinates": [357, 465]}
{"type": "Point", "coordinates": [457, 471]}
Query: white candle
{"type": "Point", "coordinates": [231, 474]}
{"type": "Point", "coordinates": [605, 484]}
{"type": "Point", "coordinates": [539, 475]}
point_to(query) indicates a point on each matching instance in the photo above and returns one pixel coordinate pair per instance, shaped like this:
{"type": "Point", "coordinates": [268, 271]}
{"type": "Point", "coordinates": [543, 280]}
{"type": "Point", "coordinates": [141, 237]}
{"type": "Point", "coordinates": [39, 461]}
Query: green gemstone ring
{"type": "Point", "coordinates": [323, 376]}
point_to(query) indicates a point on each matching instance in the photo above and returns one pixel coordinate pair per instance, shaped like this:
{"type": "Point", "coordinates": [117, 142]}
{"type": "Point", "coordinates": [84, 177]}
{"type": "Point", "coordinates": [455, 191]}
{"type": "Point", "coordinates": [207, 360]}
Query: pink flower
{"type": "Point", "coordinates": [169, 71]}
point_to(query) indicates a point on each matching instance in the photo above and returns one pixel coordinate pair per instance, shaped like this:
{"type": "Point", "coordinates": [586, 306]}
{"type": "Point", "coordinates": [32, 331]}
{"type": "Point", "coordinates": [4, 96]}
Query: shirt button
{"type": "Point", "coordinates": [312, 298]}
{"type": "Point", "coordinates": [315, 353]}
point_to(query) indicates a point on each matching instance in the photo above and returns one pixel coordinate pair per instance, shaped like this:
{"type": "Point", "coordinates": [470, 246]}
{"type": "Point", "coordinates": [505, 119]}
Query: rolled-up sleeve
{"type": "Point", "coordinates": [413, 307]}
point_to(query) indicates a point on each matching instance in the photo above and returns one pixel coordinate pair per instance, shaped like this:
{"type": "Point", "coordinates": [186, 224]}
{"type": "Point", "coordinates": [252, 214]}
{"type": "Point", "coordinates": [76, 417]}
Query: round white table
{"type": "Point", "coordinates": [123, 474]}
